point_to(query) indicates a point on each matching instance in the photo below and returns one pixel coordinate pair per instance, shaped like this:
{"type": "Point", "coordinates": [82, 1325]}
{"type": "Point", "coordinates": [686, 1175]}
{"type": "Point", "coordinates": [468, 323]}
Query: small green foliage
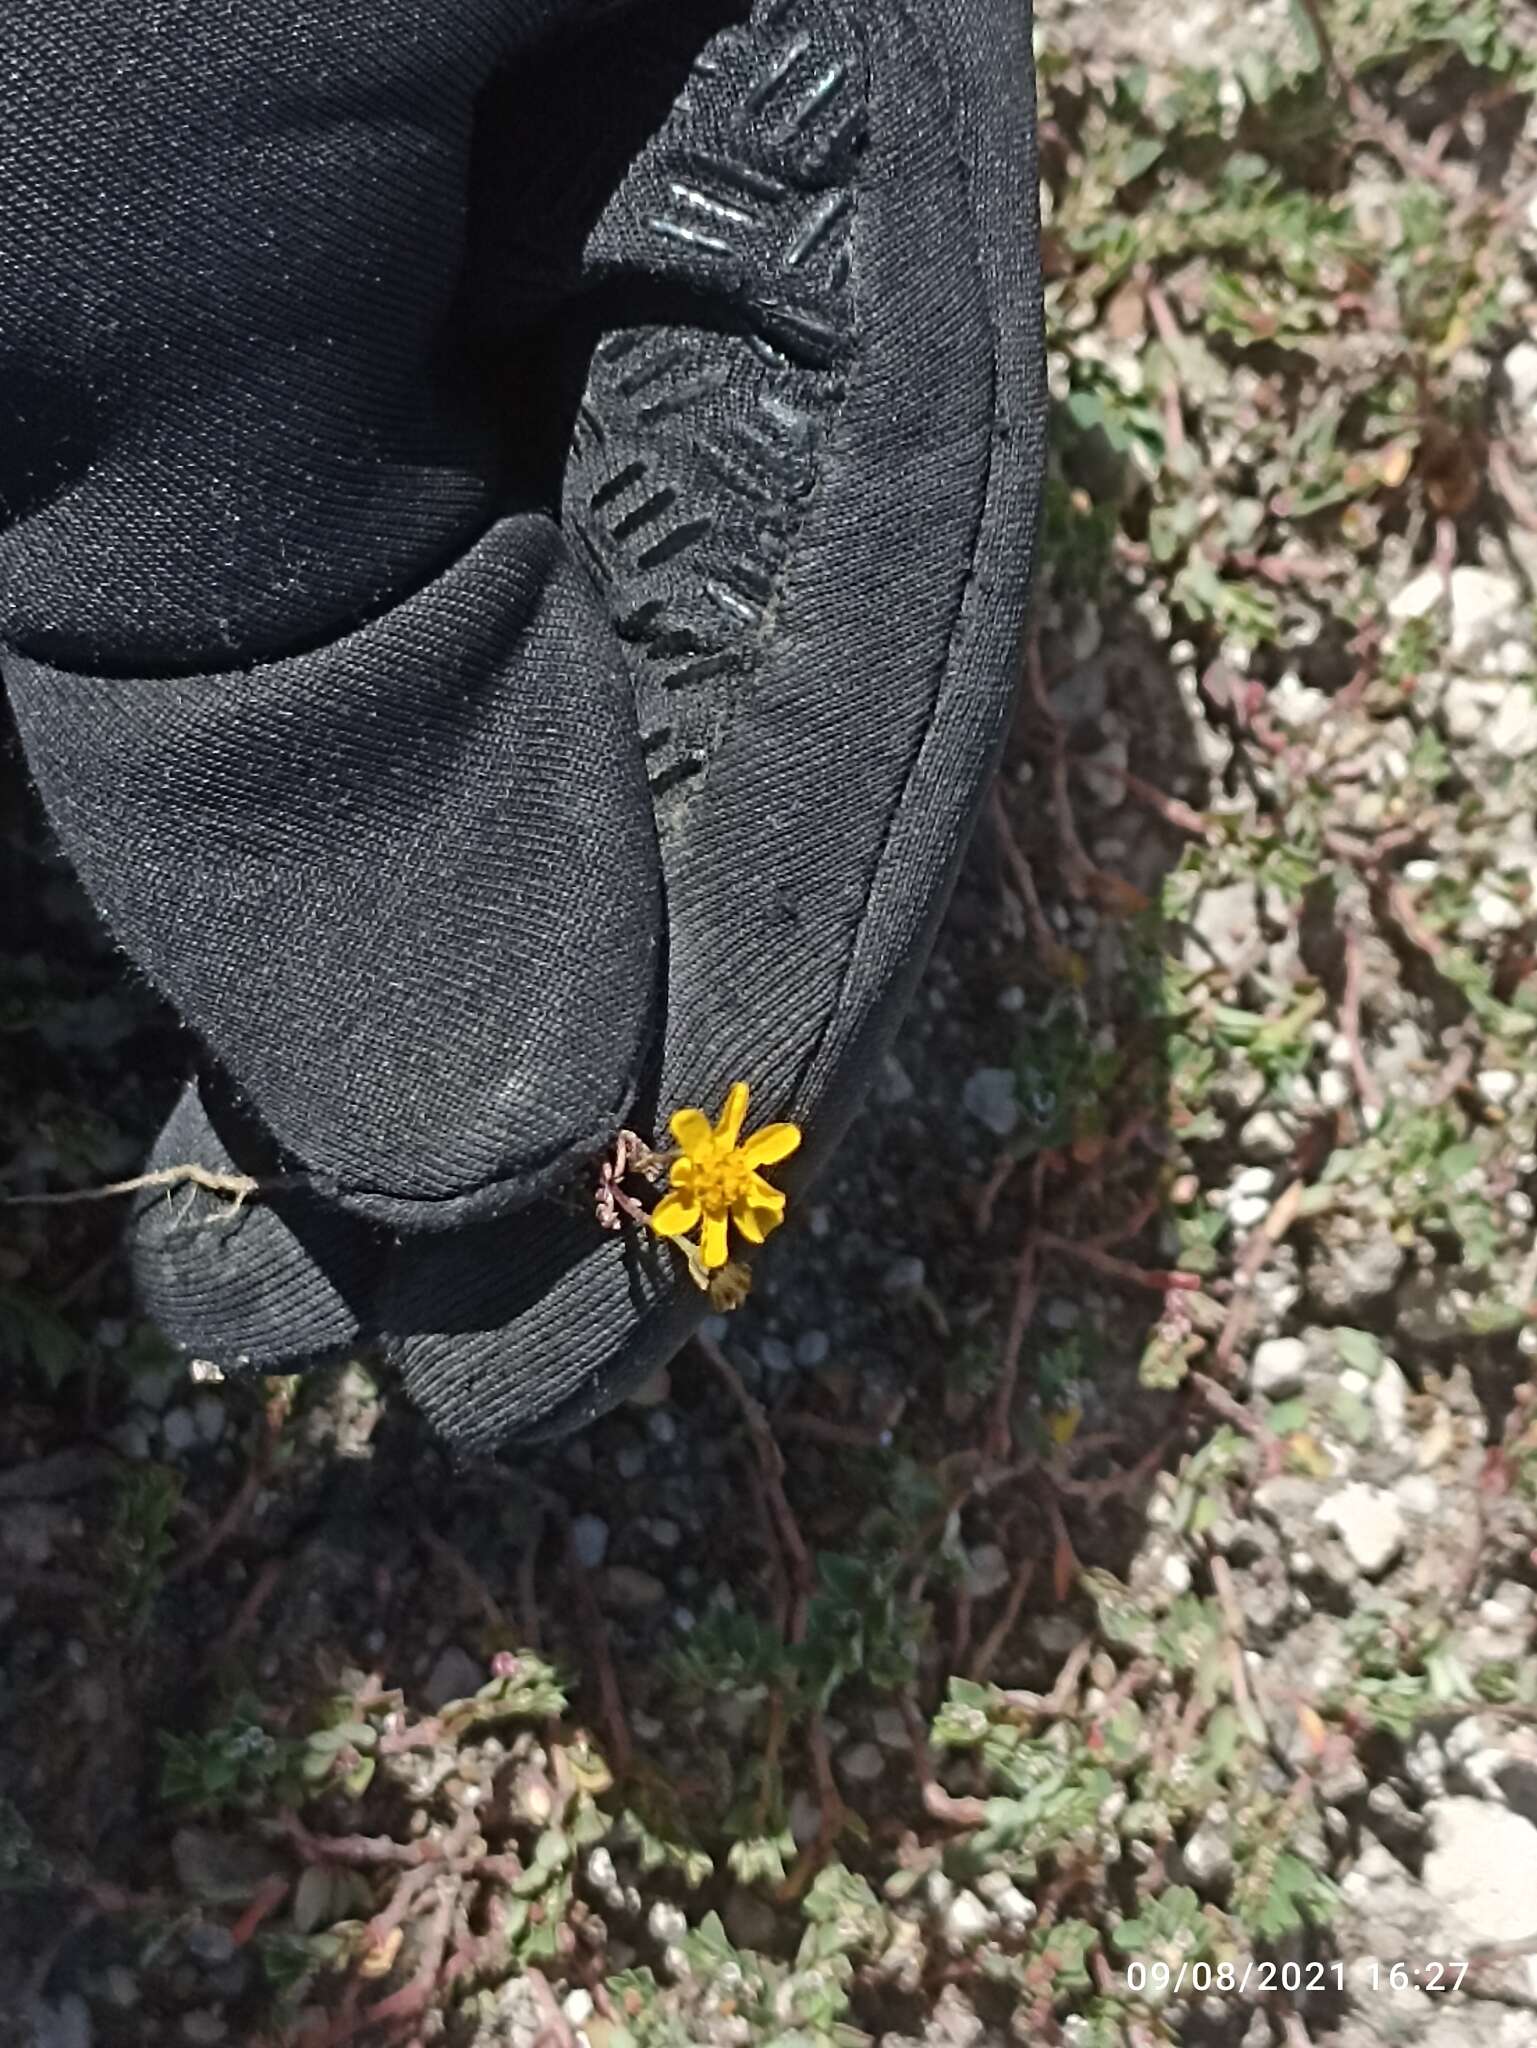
{"type": "Point", "coordinates": [35, 1335]}
{"type": "Point", "coordinates": [139, 1540]}
{"type": "Point", "coordinates": [23, 1865]}
{"type": "Point", "coordinates": [239, 1766]}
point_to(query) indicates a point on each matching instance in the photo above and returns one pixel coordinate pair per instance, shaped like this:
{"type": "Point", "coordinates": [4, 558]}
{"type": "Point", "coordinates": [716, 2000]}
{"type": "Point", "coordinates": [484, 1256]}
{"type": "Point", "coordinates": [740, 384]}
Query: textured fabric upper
{"type": "Point", "coordinates": [334, 727]}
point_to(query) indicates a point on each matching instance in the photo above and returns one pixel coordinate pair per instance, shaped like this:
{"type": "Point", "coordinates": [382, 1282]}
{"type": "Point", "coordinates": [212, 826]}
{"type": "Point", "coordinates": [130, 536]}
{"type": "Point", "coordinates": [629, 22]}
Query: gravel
{"type": "Point", "coordinates": [1370, 1523]}
{"type": "Point", "coordinates": [1279, 1364]}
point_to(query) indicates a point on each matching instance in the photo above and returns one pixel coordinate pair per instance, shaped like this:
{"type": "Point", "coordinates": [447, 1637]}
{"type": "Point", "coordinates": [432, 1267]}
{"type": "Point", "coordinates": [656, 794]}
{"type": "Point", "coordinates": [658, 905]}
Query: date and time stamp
{"type": "Point", "coordinates": [1365, 1976]}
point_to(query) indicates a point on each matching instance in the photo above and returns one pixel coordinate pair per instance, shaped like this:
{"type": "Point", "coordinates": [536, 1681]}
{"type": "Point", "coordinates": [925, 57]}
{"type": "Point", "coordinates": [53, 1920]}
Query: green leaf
{"type": "Point", "coordinates": [1360, 1350]}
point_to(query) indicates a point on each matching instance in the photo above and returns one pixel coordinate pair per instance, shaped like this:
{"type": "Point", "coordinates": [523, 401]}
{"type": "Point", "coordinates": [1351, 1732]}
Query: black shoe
{"type": "Point", "coordinates": [767, 285]}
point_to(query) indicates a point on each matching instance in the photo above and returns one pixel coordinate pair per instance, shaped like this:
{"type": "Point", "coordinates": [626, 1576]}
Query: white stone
{"type": "Point", "coordinates": [667, 1923]}
{"type": "Point", "coordinates": [1521, 375]}
{"type": "Point", "coordinates": [1513, 735]}
{"type": "Point", "coordinates": [1470, 707]}
{"type": "Point", "coordinates": [990, 1096]}
{"type": "Point", "coordinates": [1278, 1367]}
{"type": "Point", "coordinates": [987, 1571]}
{"type": "Point", "coordinates": [1482, 603]}
{"type": "Point", "coordinates": [1208, 1855]}
{"type": "Point", "coordinates": [1226, 921]}
{"type": "Point", "coordinates": [1389, 1397]}
{"type": "Point", "coordinates": [1333, 1088]}
{"type": "Point", "coordinates": [1264, 1136]}
{"type": "Point", "coordinates": [1495, 911]}
{"type": "Point", "coordinates": [967, 1919]}
{"type": "Point", "coordinates": [811, 1349]}
{"type": "Point", "coordinates": [1369, 1522]}
{"type": "Point", "coordinates": [1482, 1868]}
{"type": "Point", "coordinates": [863, 1763]}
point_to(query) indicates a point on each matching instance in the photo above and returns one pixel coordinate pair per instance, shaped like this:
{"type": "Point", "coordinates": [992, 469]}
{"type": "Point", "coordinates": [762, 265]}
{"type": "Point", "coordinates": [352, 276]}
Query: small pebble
{"type": "Point", "coordinates": [1418, 1494]}
{"type": "Point", "coordinates": [904, 1275]}
{"type": "Point", "coordinates": [775, 1355]}
{"type": "Point", "coordinates": [632, 1591]}
{"type": "Point", "coordinates": [178, 1430]}
{"type": "Point", "coordinates": [1497, 1085]}
{"type": "Point", "coordinates": [589, 1539]}
{"type": "Point", "coordinates": [811, 1349]}
{"type": "Point", "coordinates": [863, 1763]}
{"type": "Point", "coordinates": [131, 1437]}
{"type": "Point", "coordinates": [667, 1923]}
{"type": "Point", "coordinates": [121, 1986]}
{"type": "Point", "coordinates": [1011, 1000]}
{"type": "Point", "coordinates": [454, 1676]}
{"type": "Point", "coordinates": [208, 1417]}
{"type": "Point", "coordinates": [893, 1087]}
{"type": "Point", "coordinates": [990, 1096]}
{"type": "Point", "coordinates": [154, 1388]}
{"type": "Point", "coordinates": [1278, 1367]}
{"type": "Point", "coordinates": [966, 1920]}
{"type": "Point", "coordinates": [1334, 1088]}
{"type": "Point", "coordinates": [1264, 1136]}
{"type": "Point", "coordinates": [630, 1461]}
{"type": "Point", "coordinates": [662, 1428]}
{"type": "Point", "coordinates": [987, 1571]}
{"type": "Point", "coordinates": [805, 1818]}
{"type": "Point", "coordinates": [203, 2026]}
{"type": "Point", "coordinates": [1370, 1524]}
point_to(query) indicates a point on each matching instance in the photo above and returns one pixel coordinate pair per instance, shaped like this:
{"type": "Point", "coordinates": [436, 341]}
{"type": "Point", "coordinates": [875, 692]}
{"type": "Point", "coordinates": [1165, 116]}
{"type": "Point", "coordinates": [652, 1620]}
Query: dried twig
{"type": "Point", "coordinates": [1159, 1279]}
{"type": "Point", "coordinates": [771, 1464]}
{"type": "Point", "coordinates": [240, 1187]}
{"type": "Point", "coordinates": [992, 1643]}
{"type": "Point", "coordinates": [1000, 1433]}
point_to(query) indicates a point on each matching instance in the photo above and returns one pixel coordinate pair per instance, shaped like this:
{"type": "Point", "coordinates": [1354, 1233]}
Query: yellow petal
{"type": "Point", "coordinates": [745, 1217]}
{"type": "Point", "coordinates": [773, 1143]}
{"type": "Point", "coordinates": [712, 1242]}
{"type": "Point", "coordinates": [755, 1222]}
{"type": "Point", "coordinates": [763, 1196]}
{"type": "Point", "coordinates": [691, 1128]}
{"type": "Point", "coordinates": [684, 1176]}
{"type": "Point", "coordinates": [673, 1215]}
{"type": "Point", "coordinates": [733, 1116]}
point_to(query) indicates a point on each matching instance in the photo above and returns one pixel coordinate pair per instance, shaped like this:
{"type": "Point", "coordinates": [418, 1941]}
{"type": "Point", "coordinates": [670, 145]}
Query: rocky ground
{"type": "Point", "coordinates": [1089, 1593]}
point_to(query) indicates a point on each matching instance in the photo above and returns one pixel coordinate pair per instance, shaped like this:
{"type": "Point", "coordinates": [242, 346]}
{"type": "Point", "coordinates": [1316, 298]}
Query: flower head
{"type": "Point", "coordinates": [715, 1179]}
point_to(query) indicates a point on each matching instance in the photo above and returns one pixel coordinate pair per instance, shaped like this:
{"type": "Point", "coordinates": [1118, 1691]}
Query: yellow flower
{"type": "Point", "coordinates": [716, 1178]}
